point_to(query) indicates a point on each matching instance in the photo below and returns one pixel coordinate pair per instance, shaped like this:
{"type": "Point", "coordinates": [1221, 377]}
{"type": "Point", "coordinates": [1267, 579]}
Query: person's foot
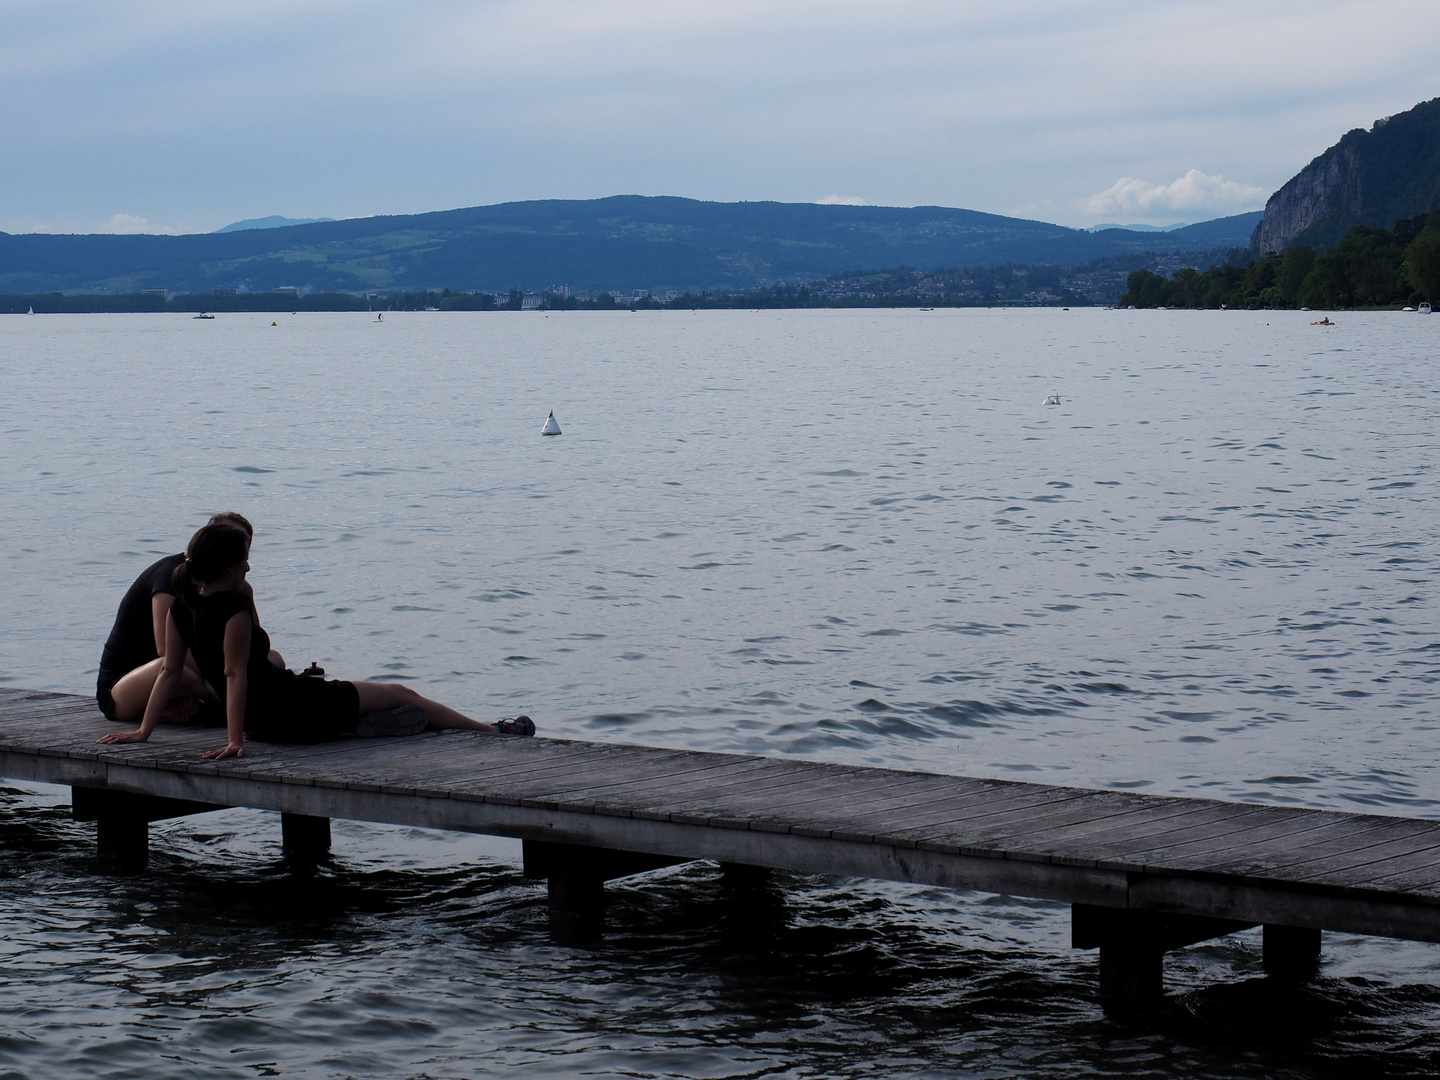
{"type": "Point", "coordinates": [519, 725]}
{"type": "Point", "coordinates": [388, 723]}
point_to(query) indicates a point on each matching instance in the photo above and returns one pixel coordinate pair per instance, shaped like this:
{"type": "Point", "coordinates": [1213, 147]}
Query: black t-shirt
{"type": "Point", "coordinates": [201, 622]}
{"type": "Point", "coordinates": [132, 640]}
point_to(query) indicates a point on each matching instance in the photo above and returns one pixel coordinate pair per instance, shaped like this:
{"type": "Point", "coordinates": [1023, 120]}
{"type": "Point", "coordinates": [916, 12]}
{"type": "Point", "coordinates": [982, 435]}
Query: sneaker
{"type": "Point", "coordinates": [519, 725]}
{"type": "Point", "coordinates": [388, 723]}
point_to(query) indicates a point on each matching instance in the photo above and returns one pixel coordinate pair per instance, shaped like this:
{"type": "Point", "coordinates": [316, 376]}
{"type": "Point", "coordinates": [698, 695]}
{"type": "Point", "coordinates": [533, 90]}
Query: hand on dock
{"type": "Point", "coordinates": [233, 749]}
{"type": "Point", "coordinates": [123, 736]}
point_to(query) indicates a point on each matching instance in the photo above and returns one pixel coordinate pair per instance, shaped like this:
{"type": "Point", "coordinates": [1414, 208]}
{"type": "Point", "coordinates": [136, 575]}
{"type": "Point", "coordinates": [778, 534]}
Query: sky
{"type": "Point", "coordinates": [183, 117]}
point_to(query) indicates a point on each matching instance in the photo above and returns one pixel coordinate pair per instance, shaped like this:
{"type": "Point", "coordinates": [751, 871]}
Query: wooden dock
{"type": "Point", "coordinates": [1144, 874]}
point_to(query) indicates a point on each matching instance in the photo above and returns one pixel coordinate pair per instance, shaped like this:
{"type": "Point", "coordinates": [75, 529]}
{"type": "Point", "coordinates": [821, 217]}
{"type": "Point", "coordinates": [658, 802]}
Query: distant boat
{"type": "Point", "coordinates": [1323, 322]}
{"type": "Point", "coordinates": [1053, 399]}
{"type": "Point", "coordinates": [30, 312]}
{"type": "Point", "coordinates": [551, 427]}
{"type": "Point", "coordinates": [1425, 308]}
{"type": "Point", "coordinates": [202, 315]}
{"type": "Point", "coordinates": [1407, 307]}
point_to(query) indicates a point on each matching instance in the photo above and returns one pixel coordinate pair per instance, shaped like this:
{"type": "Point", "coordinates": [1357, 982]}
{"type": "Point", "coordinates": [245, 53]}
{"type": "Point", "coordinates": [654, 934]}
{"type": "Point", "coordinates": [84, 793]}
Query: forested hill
{"type": "Point", "coordinates": [1375, 177]}
{"type": "Point", "coordinates": [619, 243]}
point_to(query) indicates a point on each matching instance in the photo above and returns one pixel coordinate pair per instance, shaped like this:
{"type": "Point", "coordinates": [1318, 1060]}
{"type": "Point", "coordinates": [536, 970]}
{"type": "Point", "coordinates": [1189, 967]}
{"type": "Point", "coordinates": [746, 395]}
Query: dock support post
{"type": "Point", "coordinates": [1132, 974]}
{"type": "Point", "coordinates": [577, 876]}
{"type": "Point", "coordinates": [577, 902]}
{"type": "Point", "coordinates": [1291, 952]}
{"type": "Point", "coordinates": [743, 877]}
{"type": "Point", "coordinates": [123, 842]}
{"type": "Point", "coordinates": [1133, 943]}
{"type": "Point", "coordinates": [305, 837]}
{"type": "Point", "coordinates": [122, 822]}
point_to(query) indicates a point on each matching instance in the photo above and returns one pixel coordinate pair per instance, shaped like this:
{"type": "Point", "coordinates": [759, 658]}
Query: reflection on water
{"type": "Point", "coordinates": [855, 536]}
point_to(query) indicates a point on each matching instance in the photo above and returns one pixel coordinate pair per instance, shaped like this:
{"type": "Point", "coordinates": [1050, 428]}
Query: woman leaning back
{"type": "Point", "coordinates": [214, 621]}
{"type": "Point", "coordinates": [130, 663]}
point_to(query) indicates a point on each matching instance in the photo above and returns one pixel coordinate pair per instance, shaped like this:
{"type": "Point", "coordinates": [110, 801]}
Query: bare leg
{"type": "Point", "coordinates": [276, 660]}
{"type": "Point", "coordinates": [375, 696]}
{"type": "Point", "coordinates": [132, 692]}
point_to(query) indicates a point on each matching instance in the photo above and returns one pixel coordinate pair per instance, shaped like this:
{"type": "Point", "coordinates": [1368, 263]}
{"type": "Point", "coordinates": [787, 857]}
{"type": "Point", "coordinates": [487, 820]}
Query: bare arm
{"type": "Point", "coordinates": [159, 611]}
{"type": "Point", "coordinates": [237, 686]}
{"type": "Point", "coordinates": [171, 666]}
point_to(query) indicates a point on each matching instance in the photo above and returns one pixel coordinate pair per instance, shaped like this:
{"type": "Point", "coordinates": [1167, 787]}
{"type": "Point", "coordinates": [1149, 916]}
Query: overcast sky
{"type": "Point", "coordinates": [165, 117]}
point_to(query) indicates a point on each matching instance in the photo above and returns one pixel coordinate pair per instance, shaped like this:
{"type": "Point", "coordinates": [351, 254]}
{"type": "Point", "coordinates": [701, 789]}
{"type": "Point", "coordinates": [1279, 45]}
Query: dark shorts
{"type": "Point", "coordinates": [105, 701]}
{"type": "Point", "coordinates": [304, 710]}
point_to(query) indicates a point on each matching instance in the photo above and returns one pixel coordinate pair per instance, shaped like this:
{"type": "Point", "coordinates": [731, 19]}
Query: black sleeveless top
{"type": "Point", "coordinates": [280, 706]}
{"type": "Point", "coordinates": [202, 621]}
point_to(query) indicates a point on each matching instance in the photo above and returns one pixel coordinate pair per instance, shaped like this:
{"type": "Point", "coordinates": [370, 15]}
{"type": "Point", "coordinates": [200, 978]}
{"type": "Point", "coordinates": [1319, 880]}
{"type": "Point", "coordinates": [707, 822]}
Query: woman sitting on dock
{"type": "Point", "coordinates": [130, 663]}
{"type": "Point", "coordinates": [213, 623]}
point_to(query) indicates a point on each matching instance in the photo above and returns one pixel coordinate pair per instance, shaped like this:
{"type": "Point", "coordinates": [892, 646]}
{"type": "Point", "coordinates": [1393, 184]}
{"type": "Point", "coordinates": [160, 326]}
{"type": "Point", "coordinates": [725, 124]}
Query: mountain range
{"type": "Point", "coordinates": [618, 243]}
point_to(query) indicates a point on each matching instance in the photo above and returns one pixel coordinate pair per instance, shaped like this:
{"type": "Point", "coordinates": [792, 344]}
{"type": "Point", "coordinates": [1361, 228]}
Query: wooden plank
{"type": "Point", "coordinates": [1218, 831]}
{"type": "Point", "coordinates": [1272, 858]}
{"type": "Point", "coordinates": [335, 759]}
{"type": "Point", "coordinates": [967, 803]}
{"type": "Point", "coordinates": [934, 806]}
{"type": "Point", "coordinates": [773, 774]}
{"type": "Point", "coordinates": [979, 821]}
{"type": "Point", "coordinates": [803, 793]}
{"type": "Point", "coordinates": [1071, 834]}
{"type": "Point", "coordinates": [626, 786]}
{"type": "Point", "coordinates": [602, 762]}
{"type": "Point", "coordinates": [1208, 821]}
{"type": "Point", "coordinates": [1286, 828]}
{"type": "Point", "coordinates": [549, 775]}
{"type": "Point", "coordinates": [797, 783]}
{"type": "Point", "coordinates": [714, 802]}
{"type": "Point", "coordinates": [1375, 863]}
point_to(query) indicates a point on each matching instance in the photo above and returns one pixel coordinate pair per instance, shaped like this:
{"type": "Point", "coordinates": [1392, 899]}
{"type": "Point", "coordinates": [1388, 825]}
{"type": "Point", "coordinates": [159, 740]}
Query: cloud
{"type": "Point", "coordinates": [200, 114]}
{"type": "Point", "coordinates": [131, 223]}
{"type": "Point", "coordinates": [841, 200]}
{"type": "Point", "coordinates": [1195, 194]}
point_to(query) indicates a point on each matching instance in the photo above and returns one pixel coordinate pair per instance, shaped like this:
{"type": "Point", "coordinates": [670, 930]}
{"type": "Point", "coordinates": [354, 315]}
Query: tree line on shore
{"type": "Point", "coordinates": [1369, 268]}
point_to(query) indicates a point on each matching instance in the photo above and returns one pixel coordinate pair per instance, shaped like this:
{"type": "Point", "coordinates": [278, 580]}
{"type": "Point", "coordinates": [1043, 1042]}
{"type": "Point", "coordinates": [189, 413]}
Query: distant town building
{"type": "Point", "coordinates": [286, 290]}
{"type": "Point", "coordinates": [531, 301]}
{"type": "Point", "coordinates": [225, 290]}
{"type": "Point", "coordinates": [562, 291]}
{"type": "Point", "coordinates": [164, 294]}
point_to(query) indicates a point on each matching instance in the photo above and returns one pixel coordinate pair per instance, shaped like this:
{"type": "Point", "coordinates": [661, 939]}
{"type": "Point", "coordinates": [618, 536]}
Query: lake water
{"type": "Point", "coordinates": [844, 535]}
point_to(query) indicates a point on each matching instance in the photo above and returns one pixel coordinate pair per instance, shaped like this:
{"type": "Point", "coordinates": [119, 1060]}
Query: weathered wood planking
{"type": "Point", "coordinates": [1188, 857]}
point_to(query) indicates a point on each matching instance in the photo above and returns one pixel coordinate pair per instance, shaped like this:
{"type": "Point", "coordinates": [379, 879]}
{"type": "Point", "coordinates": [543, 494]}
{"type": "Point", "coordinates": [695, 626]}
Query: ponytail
{"type": "Point", "coordinates": [213, 549]}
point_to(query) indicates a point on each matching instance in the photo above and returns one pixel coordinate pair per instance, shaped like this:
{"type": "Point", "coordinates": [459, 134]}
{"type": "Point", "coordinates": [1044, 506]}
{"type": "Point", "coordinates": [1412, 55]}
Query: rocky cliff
{"type": "Point", "coordinates": [1329, 184]}
{"type": "Point", "coordinates": [1370, 177]}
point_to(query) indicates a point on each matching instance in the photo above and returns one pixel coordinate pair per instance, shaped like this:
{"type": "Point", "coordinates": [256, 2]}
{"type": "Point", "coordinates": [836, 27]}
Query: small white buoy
{"type": "Point", "coordinates": [551, 427]}
{"type": "Point", "coordinates": [1053, 399]}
